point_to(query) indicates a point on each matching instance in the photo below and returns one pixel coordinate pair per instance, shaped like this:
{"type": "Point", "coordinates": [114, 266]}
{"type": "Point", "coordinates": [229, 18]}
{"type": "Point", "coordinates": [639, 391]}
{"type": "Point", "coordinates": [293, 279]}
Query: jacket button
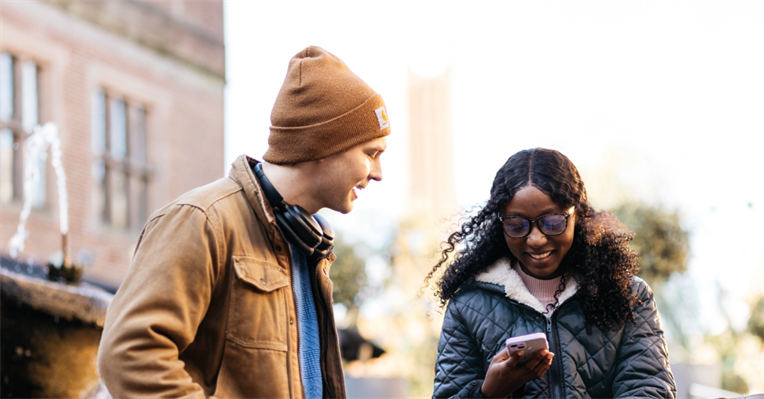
{"type": "Point", "coordinates": [278, 248]}
{"type": "Point", "coordinates": [291, 321]}
{"type": "Point", "coordinates": [262, 281]}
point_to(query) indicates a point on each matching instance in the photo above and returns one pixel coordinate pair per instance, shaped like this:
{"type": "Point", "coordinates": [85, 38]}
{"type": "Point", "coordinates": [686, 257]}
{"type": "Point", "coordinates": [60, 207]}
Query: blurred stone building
{"type": "Point", "coordinates": [431, 154]}
{"type": "Point", "coordinates": [136, 90]}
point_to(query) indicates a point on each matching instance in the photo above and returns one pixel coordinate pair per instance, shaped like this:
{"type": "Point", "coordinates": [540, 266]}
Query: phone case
{"type": "Point", "coordinates": [530, 343]}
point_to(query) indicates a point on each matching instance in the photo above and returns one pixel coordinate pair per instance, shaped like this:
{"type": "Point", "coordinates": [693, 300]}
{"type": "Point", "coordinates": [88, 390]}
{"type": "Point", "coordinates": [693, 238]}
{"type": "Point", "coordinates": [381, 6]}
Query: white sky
{"type": "Point", "coordinates": [657, 100]}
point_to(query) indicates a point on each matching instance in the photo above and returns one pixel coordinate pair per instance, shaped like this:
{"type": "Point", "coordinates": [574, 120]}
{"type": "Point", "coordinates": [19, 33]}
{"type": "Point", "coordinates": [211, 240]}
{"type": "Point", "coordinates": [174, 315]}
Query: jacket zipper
{"type": "Point", "coordinates": [324, 333]}
{"type": "Point", "coordinates": [556, 373]}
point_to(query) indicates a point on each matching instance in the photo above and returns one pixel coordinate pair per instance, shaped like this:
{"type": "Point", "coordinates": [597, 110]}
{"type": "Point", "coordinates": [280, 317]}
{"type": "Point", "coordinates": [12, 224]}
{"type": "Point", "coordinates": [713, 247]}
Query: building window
{"type": "Point", "coordinates": [19, 114]}
{"type": "Point", "coordinates": [120, 168]}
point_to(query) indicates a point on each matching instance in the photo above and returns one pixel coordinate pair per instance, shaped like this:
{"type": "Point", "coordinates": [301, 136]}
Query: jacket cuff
{"type": "Point", "coordinates": [473, 389]}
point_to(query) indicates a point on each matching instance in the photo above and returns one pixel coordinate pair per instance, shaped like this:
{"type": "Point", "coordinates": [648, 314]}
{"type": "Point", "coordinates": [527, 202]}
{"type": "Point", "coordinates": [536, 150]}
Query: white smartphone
{"type": "Point", "coordinates": [530, 343]}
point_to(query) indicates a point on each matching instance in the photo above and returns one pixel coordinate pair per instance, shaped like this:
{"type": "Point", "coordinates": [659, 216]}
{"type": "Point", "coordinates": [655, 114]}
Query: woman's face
{"type": "Point", "coordinates": [540, 255]}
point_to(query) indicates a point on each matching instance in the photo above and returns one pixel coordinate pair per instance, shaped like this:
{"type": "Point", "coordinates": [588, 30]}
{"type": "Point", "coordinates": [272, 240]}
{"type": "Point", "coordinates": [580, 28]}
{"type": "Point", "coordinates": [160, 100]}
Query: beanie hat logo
{"type": "Point", "coordinates": [382, 117]}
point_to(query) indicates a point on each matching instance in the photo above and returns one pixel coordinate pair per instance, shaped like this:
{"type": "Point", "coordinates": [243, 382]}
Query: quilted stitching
{"type": "Point", "coordinates": [626, 363]}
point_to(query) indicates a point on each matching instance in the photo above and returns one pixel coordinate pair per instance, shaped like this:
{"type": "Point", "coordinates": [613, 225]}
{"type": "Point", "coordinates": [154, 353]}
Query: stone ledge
{"type": "Point", "coordinates": [85, 303]}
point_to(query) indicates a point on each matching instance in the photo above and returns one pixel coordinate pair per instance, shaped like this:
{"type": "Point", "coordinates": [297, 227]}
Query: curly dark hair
{"type": "Point", "coordinates": [599, 258]}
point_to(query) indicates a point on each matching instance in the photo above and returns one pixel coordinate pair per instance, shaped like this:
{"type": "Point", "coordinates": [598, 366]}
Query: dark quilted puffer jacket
{"type": "Point", "coordinates": [496, 305]}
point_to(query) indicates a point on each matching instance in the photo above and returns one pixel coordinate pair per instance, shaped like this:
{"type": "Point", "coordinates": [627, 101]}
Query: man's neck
{"type": "Point", "coordinates": [293, 183]}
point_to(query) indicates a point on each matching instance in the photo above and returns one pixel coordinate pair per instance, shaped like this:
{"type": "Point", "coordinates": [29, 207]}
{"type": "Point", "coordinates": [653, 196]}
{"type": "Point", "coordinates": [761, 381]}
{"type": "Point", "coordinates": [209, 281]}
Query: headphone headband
{"type": "Point", "coordinates": [273, 196]}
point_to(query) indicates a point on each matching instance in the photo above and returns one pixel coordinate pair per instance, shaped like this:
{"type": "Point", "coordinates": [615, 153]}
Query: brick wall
{"type": "Point", "coordinates": [183, 99]}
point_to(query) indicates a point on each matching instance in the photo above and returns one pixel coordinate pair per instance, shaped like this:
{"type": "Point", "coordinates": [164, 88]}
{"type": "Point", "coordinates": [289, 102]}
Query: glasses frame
{"type": "Point", "coordinates": [530, 224]}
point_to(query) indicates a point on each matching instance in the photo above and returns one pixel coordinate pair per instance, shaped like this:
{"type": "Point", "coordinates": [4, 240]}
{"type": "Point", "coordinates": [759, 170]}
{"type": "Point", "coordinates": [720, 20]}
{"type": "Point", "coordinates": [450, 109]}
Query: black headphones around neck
{"type": "Point", "coordinates": [311, 234]}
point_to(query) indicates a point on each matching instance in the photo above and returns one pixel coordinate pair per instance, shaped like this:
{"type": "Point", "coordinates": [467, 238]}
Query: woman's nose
{"type": "Point", "coordinates": [536, 238]}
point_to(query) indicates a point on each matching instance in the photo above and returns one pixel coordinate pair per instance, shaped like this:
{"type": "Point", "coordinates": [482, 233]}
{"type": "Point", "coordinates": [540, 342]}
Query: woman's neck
{"type": "Point", "coordinates": [542, 289]}
{"type": "Point", "coordinates": [554, 275]}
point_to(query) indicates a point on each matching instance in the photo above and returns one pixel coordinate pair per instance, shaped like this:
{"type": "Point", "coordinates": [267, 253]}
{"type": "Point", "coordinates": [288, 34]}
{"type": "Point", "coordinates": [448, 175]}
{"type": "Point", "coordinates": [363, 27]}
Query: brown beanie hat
{"type": "Point", "coordinates": [322, 109]}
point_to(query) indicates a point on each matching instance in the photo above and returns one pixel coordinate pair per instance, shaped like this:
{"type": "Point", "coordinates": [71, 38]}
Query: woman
{"type": "Point", "coordinates": [538, 258]}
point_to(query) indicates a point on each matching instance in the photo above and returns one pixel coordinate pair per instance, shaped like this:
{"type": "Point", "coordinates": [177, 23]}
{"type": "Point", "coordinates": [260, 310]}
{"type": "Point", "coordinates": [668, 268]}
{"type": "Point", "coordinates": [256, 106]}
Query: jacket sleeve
{"type": "Point", "coordinates": [459, 368]}
{"type": "Point", "coordinates": [156, 312]}
{"type": "Point", "coordinates": [642, 362]}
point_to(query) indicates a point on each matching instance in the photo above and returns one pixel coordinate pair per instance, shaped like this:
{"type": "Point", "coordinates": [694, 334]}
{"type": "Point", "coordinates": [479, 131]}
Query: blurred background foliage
{"type": "Point", "coordinates": [664, 247]}
{"type": "Point", "coordinates": [756, 322]}
{"type": "Point", "coordinates": [662, 242]}
{"type": "Point", "coordinates": [349, 278]}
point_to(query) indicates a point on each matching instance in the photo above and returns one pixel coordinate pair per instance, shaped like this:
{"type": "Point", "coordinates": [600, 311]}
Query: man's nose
{"type": "Point", "coordinates": [376, 170]}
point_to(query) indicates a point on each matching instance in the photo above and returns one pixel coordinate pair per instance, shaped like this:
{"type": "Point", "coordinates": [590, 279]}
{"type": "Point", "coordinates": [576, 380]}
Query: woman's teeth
{"type": "Point", "coordinates": [540, 256]}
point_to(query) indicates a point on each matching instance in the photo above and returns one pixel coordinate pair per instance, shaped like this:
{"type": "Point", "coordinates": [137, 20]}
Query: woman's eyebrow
{"type": "Point", "coordinates": [542, 213]}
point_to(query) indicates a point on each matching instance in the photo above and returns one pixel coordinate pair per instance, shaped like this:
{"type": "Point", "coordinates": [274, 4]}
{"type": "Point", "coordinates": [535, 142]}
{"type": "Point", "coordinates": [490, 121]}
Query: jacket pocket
{"type": "Point", "coordinates": [257, 313]}
{"type": "Point", "coordinates": [265, 276]}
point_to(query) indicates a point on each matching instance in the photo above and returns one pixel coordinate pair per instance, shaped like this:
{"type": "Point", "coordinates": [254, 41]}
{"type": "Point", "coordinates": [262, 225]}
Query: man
{"type": "Point", "coordinates": [228, 294]}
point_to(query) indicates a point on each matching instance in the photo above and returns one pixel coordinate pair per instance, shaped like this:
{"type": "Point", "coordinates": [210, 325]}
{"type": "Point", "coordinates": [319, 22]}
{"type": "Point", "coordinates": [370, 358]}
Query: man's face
{"type": "Point", "coordinates": [340, 177]}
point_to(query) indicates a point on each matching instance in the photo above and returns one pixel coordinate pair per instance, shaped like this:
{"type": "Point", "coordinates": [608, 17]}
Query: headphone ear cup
{"type": "Point", "coordinates": [327, 238]}
{"type": "Point", "coordinates": [303, 223]}
{"type": "Point", "coordinates": [291, 236]}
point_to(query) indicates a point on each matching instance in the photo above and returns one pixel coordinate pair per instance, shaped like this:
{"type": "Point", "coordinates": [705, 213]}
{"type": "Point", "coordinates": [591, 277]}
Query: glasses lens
{"type": "Point", "coordinates": [553, 224]}
{"type": "Point", "coordinates": [516, 226]}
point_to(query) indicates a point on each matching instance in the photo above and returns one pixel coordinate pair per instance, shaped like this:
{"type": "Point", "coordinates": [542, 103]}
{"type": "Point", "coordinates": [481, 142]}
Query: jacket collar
{"type": "Point", "coordinates": [501, 273]}
{"type": "Point", "coordinates": [241, 172]}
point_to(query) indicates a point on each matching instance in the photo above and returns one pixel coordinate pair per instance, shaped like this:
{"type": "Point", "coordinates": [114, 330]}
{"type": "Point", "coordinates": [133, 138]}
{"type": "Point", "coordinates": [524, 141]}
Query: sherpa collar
{"type": "Point", "coordinates": [501, 273]}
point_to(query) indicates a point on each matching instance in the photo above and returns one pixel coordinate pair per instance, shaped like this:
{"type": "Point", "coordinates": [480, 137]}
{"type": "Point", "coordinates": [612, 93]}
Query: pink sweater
{"type": "Point", "coordinates": [543, 290]}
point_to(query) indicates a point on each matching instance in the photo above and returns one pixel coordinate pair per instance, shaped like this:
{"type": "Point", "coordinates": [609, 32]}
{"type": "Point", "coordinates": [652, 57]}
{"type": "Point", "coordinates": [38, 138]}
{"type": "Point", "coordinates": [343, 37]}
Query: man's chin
{"type": "Point", "coordinates": [343, 209]}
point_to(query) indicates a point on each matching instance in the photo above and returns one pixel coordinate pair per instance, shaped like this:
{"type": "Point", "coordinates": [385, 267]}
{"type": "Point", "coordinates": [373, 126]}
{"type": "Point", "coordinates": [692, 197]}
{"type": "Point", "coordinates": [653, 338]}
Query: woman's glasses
{"type": "Point", "coordinates": [518, 227]}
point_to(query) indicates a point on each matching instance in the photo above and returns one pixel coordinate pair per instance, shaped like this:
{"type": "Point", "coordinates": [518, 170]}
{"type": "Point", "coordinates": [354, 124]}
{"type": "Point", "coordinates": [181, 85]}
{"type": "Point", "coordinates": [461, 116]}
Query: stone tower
{"type": "Point", "coordinates": [431, 157]}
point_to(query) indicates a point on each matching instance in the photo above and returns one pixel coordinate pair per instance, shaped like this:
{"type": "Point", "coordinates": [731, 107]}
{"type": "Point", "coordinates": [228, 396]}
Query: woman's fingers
{"type": "Point", "coordinates": [537, 365]}
{"type": "Point", "coordinates": [543, 365]}
{"type": "Point", "coordinates": [531, 364]}
{"type": "Point", "coordinates": [512, 362]}
{"type": "Point", "coordinates": [500, 357]}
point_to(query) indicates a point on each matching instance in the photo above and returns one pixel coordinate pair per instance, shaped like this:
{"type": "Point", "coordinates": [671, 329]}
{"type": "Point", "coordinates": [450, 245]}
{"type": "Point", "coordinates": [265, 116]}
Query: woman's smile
{"type": "Point", "coordinates": [540, 256]}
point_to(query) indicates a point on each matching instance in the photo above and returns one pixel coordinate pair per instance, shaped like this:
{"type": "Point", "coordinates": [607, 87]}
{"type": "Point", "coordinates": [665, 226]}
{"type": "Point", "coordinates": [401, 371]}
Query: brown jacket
{"type": "Point", "coordinates": [207, 307]}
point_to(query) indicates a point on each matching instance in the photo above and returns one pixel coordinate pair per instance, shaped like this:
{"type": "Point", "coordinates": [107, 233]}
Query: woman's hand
{"type": "Point", "coordinates": [505, 376]}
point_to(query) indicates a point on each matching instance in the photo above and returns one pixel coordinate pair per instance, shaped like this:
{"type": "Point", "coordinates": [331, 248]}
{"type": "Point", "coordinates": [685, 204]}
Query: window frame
{"type": "Point", "coordinates": [109, 168]}
{"type": "Point", "coordinates": [21, 127]}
